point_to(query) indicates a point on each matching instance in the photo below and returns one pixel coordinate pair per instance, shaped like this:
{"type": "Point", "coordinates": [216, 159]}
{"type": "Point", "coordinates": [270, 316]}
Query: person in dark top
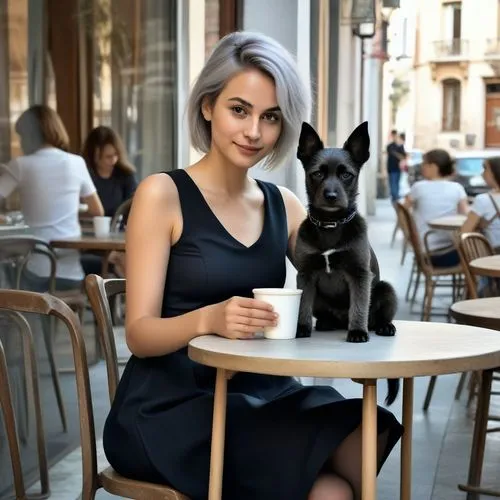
{"type": "Point", "coordinates": [199, 240]}
{"type": "Point", "coordinates": [112, 173]}
{"type": "Point", "coordinates": [114, 179]}
{"type": "Point", "coordinates": [395, 153]}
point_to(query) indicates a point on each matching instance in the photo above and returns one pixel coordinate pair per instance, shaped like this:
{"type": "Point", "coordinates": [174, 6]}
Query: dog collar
{"type": "Point", "coordinates": [332, 224]}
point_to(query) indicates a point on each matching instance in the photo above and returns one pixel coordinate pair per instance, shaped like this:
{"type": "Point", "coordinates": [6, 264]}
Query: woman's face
{"type": "Point", "coordinates": [245, 119]}
{"type": "Point", "coordinates": [106, 157]}
{"type": "Point", "coordinates": [488, 175]}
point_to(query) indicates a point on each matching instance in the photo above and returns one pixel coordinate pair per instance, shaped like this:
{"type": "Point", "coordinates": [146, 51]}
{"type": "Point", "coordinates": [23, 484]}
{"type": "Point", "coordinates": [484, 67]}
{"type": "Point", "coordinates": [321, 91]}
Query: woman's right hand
{"type": "Point", "coordinates": [241, 317]}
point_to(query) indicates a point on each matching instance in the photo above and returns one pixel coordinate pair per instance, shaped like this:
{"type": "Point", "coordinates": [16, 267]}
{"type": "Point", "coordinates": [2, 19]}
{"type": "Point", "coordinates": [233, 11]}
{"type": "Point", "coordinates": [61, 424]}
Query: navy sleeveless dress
{"type": "Point", "coordinates": [279, 434]}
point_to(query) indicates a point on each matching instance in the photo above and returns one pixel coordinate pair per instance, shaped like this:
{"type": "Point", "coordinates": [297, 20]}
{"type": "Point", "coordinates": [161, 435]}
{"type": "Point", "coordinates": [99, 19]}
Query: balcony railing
{"type": "Point", "coordinates": [456, 48]}
{"type": "Point", "coordinates": [492, 48]}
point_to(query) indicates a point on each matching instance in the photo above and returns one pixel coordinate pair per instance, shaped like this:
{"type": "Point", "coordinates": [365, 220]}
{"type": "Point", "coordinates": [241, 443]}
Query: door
{"type": "Point", "coordinates": [492, 129]}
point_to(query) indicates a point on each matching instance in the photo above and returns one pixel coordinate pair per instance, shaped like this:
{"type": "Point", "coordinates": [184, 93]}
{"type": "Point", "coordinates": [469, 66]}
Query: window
{"type": "Point", "coordinates": [212, 25]}
{"type": "Point", "coordinates": [453, 27]}
{"type": "Point", "coordinates": [135, 71]}
{"type": "Point", "coordinates": [451, 105]}
{"type": "Point", "coordinates": [13, 73]}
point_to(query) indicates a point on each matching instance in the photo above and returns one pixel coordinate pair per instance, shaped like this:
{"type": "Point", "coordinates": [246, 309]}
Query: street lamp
{"type": "Point", "coordinates": [363, 18]}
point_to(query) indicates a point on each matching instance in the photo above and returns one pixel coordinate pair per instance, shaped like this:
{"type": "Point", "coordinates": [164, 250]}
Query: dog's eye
{"type": "Point", "coordinates": [317, 175]}
{"type": "Point", "coordinates": [345, 176]}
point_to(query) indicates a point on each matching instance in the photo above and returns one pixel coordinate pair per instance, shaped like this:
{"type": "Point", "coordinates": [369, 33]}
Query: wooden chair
{"type": "Point", "coordinates": [415, 272]}
{"type": "Point", "coordinates": [17, 250]}
{"type": "Point", "coordinates": [431, 274]}
{"type": "Point", "coordinates": [99, 292]}
{"type": "Point", "coordinates": [9, 416]}
{"type": "Point", "coordinates": [111, 481]}
{"type": "Point", "coordinates": [472, 246]}
{"type": "Point", "coordinates": [121, 213]}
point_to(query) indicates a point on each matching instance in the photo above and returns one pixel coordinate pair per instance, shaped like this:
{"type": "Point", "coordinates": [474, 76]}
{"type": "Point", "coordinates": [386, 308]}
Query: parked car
{"type": "Point", "coordinates": [468, 170]}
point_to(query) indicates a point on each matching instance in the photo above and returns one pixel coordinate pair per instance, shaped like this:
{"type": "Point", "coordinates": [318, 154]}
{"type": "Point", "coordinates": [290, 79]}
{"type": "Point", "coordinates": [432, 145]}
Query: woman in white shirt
{"type": "Point", "coordinates": [437, 196]}
{"type": "Point", "coordinates": [483, 215]}
{"type": "Point", "coordinates": [51, 183]}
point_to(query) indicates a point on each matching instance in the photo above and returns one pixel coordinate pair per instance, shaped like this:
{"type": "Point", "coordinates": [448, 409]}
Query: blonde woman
{"type": "Point", "coordinates": [51, 183]}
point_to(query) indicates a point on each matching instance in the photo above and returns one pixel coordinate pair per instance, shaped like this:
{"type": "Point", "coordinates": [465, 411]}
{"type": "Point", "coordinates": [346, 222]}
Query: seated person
{"type": "Point", "coordinates": [110, 170]}
{"type": "Point", "coordinates": [437, 196]}
{"type": "Point", "coordinates": [51, 184]}
{"type": "Point", "coordinates": [483, 215]}
{"type": "Point", "coordinates": [114, 178]}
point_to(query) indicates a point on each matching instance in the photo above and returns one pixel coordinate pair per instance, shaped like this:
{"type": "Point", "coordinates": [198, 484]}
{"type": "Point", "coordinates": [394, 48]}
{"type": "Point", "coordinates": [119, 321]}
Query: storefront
{"type": "Point", "coordinates": [110, 62]}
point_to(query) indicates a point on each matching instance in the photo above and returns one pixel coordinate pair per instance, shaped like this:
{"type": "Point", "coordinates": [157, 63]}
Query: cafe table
{"type": "Point", "coordinates": [113, 241]}
{"type": "Point", "coordinates": [92, 243]}
{"type": "Point", "coordinates": [448, 223]}
{"type": "Point", "coordinates": [486, 266]}
{"type": "Point", "coordinates": [418, 349]}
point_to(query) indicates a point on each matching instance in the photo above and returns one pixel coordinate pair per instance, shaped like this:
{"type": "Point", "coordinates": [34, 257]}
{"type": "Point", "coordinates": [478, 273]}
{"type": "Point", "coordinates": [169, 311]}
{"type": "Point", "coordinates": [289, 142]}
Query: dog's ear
{"type": "Point", "coordinates": [358, 144]}
{"type": "Point", "coordinates": [309, 143]}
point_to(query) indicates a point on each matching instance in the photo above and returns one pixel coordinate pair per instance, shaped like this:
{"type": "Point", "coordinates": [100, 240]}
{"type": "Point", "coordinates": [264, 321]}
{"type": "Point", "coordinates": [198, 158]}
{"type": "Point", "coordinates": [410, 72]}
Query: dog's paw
{"type": "Point", "coordinates": [357, 336]}
{"type": "Point", "coordinates": [388, 330]}
{"type": "Point", "coordinates": [303, 331]}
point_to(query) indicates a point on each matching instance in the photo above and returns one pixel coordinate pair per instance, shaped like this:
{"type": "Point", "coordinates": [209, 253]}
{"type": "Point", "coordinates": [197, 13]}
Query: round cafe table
{"type": "Point", "coordinates": [418, 349]}
{"type": "Point", "coordinates": [486, 266]}
{"type": "Point", "coordinates": [449, 223]}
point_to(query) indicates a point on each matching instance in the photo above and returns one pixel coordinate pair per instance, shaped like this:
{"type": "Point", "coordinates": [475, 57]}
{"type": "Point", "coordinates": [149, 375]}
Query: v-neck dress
{"type": "Point", "coordinates": [279, 433]}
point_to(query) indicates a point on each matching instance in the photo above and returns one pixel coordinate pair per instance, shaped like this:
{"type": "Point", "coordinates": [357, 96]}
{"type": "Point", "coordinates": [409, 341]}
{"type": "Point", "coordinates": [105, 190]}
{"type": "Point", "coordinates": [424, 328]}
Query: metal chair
{"type": "Point", "coordinates": [16, 251]}
{"type": "Point", "coordinates": [9, 416]}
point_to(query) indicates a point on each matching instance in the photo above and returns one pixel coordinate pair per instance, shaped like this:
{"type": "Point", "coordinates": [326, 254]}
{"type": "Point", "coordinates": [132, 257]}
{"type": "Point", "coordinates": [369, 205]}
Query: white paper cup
{"type": "Point", "coordinates": [102, 226]}
{"type": "Point", "coordinates": [286, 302]}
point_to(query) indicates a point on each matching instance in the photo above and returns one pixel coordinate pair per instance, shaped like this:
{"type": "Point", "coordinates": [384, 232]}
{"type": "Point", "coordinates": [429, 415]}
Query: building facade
{"type": "Point", "coordinates": [457, 74]}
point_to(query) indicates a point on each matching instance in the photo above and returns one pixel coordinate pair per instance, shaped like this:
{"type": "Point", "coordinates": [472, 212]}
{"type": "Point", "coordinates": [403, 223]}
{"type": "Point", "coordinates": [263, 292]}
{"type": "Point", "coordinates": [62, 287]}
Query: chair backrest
{"type": "Point", "coordinates": [8, 410]}
{"type": "Point", "coordinates": [18, 250]}
{"type": "Point", "coordinates": [120, 216]}
{"type": "Point", "coordinates": [472, 246]}
{"type": "Point", "coordinates": [48, 305]}
{"type": "Point", "coordinates": [99, 291]}
{"type": "Point", "coordinates": [410, 231]}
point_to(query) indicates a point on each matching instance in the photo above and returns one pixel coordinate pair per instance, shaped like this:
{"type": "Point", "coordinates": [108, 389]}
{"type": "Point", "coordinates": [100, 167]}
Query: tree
{"type": "Point", "coordinates": [400, 89]}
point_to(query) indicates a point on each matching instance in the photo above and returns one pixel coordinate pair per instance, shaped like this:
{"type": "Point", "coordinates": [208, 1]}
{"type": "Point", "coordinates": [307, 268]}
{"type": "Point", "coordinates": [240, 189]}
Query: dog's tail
{"type": "Point", "coordinates": [392, 390]}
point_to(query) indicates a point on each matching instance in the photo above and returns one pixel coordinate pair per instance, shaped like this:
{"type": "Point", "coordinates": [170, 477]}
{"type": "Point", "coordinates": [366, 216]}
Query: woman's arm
{"type": "Point", "coordinates": [463, 206]}
{"type": "Point", "coordinates": [408, 202]}
{"type": "Point", "coordinates": [472, 223]}
{"type": "Point", "coordinates": [94, 204]}
{"type": "Point", "coordinates": [153, 226]}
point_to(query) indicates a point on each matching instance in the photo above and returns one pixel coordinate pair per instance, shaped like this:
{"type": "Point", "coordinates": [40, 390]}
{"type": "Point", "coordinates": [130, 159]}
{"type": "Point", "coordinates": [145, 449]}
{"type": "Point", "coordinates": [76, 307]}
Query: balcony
{"type": "Point", "coordinates": [492, 50]}
{"type": "Point", "coordinates": [456, 49]}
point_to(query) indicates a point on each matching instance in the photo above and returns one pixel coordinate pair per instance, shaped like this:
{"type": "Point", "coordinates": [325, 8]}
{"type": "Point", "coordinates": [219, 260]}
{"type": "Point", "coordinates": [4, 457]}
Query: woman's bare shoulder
{"type": "Point", "coordinates": [157, 189]}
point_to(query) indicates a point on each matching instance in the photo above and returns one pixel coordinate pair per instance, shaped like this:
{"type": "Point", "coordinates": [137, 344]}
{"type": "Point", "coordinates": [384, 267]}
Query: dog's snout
{"type": "Point", "coordinates": [330, 194]}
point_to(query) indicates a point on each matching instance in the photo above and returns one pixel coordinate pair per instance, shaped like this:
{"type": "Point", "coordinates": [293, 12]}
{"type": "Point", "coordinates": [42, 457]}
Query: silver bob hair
{"type": "Point", "coordinates": [245, 50]}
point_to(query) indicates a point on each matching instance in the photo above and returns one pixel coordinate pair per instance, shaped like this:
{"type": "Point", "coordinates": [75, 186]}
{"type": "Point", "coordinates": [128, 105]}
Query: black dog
{"type": "Point", "coordinates": [337, 268]}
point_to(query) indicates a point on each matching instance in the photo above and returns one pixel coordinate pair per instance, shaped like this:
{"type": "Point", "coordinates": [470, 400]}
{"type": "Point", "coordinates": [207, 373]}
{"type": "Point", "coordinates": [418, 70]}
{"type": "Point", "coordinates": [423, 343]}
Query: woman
{"type": "Point", "coordinates": [115, 181]}
{"type": "Point", "coordinates": [484, 211]}
{"type": "Point", "coordinates": [437, 196]}
{"type": "Point", "coordinates": [51, 183]}
{"type": "Point", "coordinates": [109, 168]}
{"type": "Point", "coordinates": [198, 241]}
